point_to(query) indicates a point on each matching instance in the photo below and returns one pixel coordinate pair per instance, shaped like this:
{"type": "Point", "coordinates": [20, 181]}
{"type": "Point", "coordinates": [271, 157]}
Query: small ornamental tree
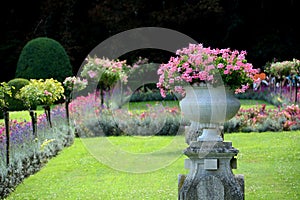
{"type": "Point", "coordinates": [105, 73]}
{"type": "Point", "coordinates": [284, 68]}
{"type": "Point", "coordinates": [42, 92]}
{"type": "Point", "coordinates": [288, 70]}
{"type": "Point", "coordinates": [5, 91]}
{"type": "Point", "coordinates": [43, 58]}
{"type": "Point", "coordinates": [72, 84]}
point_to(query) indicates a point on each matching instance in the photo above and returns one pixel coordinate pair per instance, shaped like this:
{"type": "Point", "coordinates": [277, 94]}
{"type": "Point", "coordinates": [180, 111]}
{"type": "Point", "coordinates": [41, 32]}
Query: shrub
{"type": "Point", "coordinates": [150, 96]}
{"type": "Point", "coordinates": [43, 58]}
{"type": "Point", "coordinates": [15, 104]}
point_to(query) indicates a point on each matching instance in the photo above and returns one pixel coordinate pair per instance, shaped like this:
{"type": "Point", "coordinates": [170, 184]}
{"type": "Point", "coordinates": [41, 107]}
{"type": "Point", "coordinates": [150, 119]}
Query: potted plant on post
{"type": "Point", "coordinates": [206, 79]}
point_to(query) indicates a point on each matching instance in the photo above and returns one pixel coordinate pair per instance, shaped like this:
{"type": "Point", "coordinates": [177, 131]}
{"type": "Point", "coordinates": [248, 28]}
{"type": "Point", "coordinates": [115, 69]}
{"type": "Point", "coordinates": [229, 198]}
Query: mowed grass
{"type": "Point", "coordinates": [23, 115]}
{"type": "Point", "coordinates": [246, 104]}
{"type": "Point", "coordinates": [142, 106]}
{"type": "Point", "coordinates": [269, 161]}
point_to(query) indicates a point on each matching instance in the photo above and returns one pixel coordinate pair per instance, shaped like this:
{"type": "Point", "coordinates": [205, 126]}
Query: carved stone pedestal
{"type": "Point", "coordinates": [210, 176]}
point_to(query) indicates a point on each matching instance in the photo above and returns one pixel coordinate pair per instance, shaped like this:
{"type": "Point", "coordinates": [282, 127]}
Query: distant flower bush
{"type": "Point", "coordinates": [73, 83]}
{"type": "Point", "coordinates": [105, 71]}
{"type": "Point", "coordinates": [258, 119]}
{"type": "Point", "coordinates": [284, 68]}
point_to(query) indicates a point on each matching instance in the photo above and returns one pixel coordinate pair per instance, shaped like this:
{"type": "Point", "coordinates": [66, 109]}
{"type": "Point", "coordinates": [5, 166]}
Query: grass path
{"type": "Point", "coordinates": [269, 161]}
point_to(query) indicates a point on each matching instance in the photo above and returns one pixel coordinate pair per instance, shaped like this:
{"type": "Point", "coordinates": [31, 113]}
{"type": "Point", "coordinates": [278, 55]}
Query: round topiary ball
{"type": "Point", "coordinates": [43, 58]}
{"type": "Point", "coordinates": [15, 104]}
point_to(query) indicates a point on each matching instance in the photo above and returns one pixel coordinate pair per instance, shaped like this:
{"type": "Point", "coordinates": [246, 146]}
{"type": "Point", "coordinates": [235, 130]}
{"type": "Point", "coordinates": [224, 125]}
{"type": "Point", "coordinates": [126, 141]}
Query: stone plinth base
{"type": "Point", "coordinates": [210, 176]}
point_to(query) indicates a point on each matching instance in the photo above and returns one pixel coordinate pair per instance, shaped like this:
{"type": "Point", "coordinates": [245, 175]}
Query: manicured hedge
{"type": "Point", "coordinates": [43, 58]}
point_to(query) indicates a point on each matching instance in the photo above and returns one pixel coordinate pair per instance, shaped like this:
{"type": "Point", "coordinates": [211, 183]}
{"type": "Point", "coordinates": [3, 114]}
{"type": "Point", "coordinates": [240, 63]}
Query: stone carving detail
{"type": "Point", "coordinates": [210, 187]}
{"type": "Point", "coordinates": [207, 183]}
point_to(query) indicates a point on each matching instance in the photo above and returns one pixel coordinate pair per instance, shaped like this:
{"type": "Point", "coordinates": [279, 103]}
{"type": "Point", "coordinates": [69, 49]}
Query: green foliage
{"type": "Point", "coordinates": [43, 58]}
{"type": "Point", "coordinates": [5, 91]}
{"type": "Point", "coordinates": [15, 104]}
{"type": "Point", "coordinates": [150, 96]}
{"type": "Point", "coordinates": [41, 92]}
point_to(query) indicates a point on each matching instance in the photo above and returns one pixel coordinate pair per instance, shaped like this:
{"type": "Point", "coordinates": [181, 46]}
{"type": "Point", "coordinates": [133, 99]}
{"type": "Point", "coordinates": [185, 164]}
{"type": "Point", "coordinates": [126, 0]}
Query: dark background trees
{"type": "Point", "coordinates": [266, 29]}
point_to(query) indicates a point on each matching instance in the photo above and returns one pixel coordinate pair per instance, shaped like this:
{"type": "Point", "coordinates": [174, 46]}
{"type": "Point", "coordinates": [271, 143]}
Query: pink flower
{"type": "Point", "coordinates": [196, 63]}
{"type": "Point", "coordinates": [143, 115]}
{"type": "Point", "coordinates": [97, 61]}
{"type": "Point", "coordinates": [92, 74]}
{"type": "Point", "coordinates": [47, 93]}
{"type": "Point", "coordinates": [220, 65]}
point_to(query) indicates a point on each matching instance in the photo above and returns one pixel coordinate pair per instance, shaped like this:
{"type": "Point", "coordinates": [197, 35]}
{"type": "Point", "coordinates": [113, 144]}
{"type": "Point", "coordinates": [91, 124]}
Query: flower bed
{"type": "Point", "coordinates": [92, 120]}
{"type": "Point", "coordinates": [28, 153]}
{"type": "Point", "coordinates": [258, 119]}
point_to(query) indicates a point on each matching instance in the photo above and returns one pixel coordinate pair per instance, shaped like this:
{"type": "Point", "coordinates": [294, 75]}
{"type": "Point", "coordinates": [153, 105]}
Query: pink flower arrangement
{"type": "Point", "coordinates": [107, 71]}
{"type": "Point", "coordinates": [196, 64]}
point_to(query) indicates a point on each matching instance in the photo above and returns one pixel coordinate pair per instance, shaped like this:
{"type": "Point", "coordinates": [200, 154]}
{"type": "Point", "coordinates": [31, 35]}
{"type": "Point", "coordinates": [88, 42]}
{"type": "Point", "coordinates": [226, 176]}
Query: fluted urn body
{"type": "Point", "coordinates": [209, 107]}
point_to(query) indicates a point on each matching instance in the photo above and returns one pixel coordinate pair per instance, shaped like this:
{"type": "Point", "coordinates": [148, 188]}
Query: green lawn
{"type": "Point", "coordinates": [269, 161]}
{"type": "Point", "coordinates": [23, 115]}
{"type": "Point", "coordinates": [246, 104]}
{"type": "Point", "coordinates": [141, 106]}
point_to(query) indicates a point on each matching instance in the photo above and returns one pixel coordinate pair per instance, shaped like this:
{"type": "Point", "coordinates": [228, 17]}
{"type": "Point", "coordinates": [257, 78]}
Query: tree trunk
{"type": "Point", "coordinates": [33, 116]}
{"type": "Point", "coordinates": [48, 114]}
{"type": "Point", "coordinates": [67, 110]}
{"type": "Point", "coordinates": [6, 120]}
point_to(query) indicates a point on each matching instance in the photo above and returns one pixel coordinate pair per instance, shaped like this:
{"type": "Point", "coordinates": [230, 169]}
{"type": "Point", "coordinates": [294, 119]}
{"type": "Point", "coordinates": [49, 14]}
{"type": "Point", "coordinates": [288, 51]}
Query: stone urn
{"type": "Point", "coordinates": [210, 160]}
{"type": "Point", "coordinates": [208, 107]}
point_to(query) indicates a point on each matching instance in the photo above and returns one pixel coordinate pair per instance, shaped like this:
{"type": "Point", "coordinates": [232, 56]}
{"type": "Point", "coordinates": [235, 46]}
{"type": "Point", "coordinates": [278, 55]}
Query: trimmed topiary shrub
{"type": "Point", "coordinates": [15, 104]}
{"type": "Point", "coordinates": [43, 58]}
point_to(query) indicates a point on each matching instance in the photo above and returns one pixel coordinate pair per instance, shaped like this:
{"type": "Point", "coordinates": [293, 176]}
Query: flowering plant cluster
{"type": "Point", "coordinates": [105, 71]}
{"type": "Point", "coordinates": [260, 119]}
{"type": "Point", "coordinates": [196, 64]}
{"type": "Point", "coordinates": [92, 120]}
{"type": "Point", "coordinates": [284, 68]}
{"type": "Point", "coordinates": [41, 91]}
{"type": "Point", "coordinates": [73, 83]}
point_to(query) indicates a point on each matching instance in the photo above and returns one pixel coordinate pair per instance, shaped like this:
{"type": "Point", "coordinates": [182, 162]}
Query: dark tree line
{"type": "Point", "coordinates": [266, 29]}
